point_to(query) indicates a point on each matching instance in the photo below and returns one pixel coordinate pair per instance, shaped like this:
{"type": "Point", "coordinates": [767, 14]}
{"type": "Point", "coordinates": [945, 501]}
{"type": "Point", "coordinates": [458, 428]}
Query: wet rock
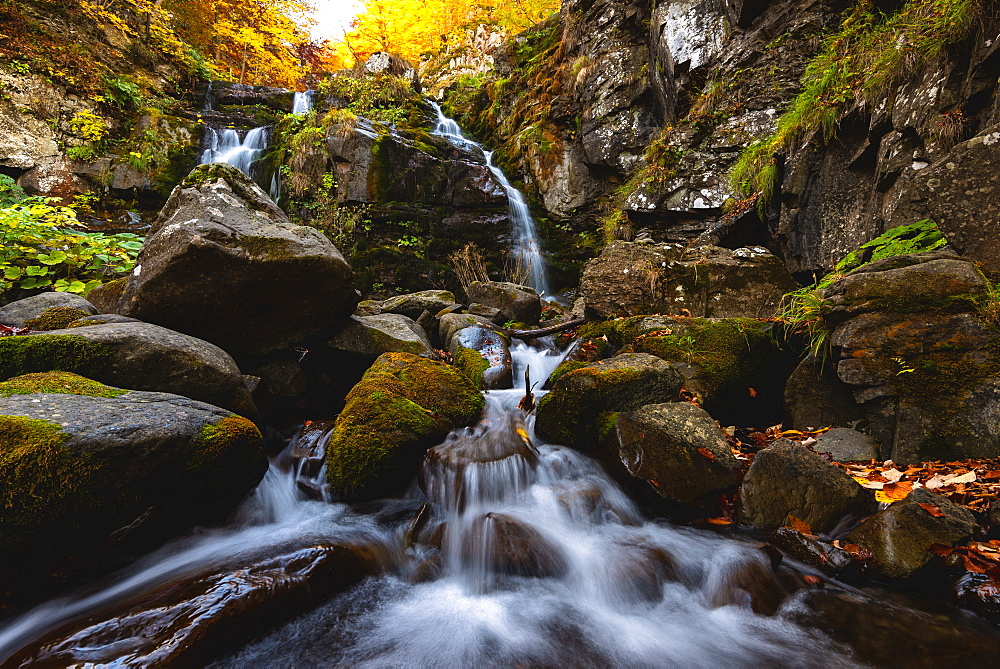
{"type": "Point", "coordinates": [637, 571]}
{"type": "Point", "coordinates": [88, 465]}
{"type": "Point", "coordinates": [811, 551]}
{"type": "Point", "coordinates": [139, 356]}
{"type": "Point", "coordinates": [632, 278]}
{"type": "Point", "coordinates": [512, 547]}
{"type": "Point", "coordinates": [283, 378]}
{"type": "Point", "coordinates": [107, 296]}
{"type": "Point", "coordinates": [920, 360]}
{"type": "Point", "coordinates": [402, 406]}
{"type": "Point", "coordinates": [244, 95]}
{"type": "Point", "coordinates": [677, 449]}
{"type": "Point", "coordinates": [749, 584]}
{"type": "Point", "coordinates": [787, 479]}
{"type": "Point", "coordinates": [484, 357]}
{"type": "Point", "coordinates": [451, 323]}
{"type": "Point", "coordinates": [964, 200]}
{"type": "Point", "coordinates": [101, 319]}
{"type": "Point", "coordinates": [192, 622]}
{"type": "Point", "coordinates": [17, 314]}
{"type": "Point", "coordinates": [571, 412]}
{"type": "Point", "coordinates": [371, 336]}
{"type": "Point", "coordinates": [492, 314]}
{"type": "Point", "coordinates": [412, 305]}
{"type": "Point", "coordinates": [516, 303]}
{"type": "Point", "coordinates": [847, 445]}
{"type": "Point", "coordinates": [815, 397]}
{"type": "Point", "coordinates": [223, 263]}
{"type": "Point", "coordinates": [899, 536]}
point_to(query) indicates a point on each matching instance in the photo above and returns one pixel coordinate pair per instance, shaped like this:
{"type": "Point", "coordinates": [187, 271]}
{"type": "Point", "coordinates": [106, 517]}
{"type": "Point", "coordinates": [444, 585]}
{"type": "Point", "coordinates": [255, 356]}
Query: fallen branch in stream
{"type": "Point", "coordinates": [541, 332]}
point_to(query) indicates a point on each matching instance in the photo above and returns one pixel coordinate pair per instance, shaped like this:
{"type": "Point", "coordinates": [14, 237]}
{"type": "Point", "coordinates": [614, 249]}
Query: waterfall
{"type": "Point", "coordinates": [225, 146]}
{"type": "Point", "coordinates": [302, 102]}
{"type": "Point", "coordinates": [527, 249]}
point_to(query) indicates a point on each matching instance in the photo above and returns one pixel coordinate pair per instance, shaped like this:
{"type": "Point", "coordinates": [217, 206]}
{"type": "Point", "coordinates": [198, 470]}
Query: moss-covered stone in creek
{"type": "Point", "coordinates": [33, 466]}
{"type": "Point", "coordinates": [42, 353]}
{"type": "Point", "coordinates": [57, 382]}
{"type": "Point", "coordinates": [55, 318]}
{"type": "Point", "coordinates": [402, 406]}
{"type": "Point", "coordinates": [472, 364]}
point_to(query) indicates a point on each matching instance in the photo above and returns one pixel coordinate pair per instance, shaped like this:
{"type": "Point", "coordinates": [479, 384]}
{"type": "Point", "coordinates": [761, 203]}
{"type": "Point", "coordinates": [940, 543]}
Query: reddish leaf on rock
{"type": "Point", "coordinates": [707, 453]}
{"type": "Point", "coordinates": [799, 526]}
{"type": "Point", "coordinates": [719, 521]}
{"type": "Point", "coordinates": [893, 492]}
{"type": "Point", "coordinates": [940, 550]}
{"type": "Point", "coordinates": [753, 393]}
{"type": "Point", "coordinates": [813, 580]}
{"type": "Point", "coordinates": [931, 509]}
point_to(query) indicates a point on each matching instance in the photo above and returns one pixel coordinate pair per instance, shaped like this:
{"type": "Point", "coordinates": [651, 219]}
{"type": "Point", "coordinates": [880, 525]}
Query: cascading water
{"type": "Point", "coordinates": [527, 250]}
{"type": "Point", "coordinates": [302, 102]}
{"type": "Point", "coordinates": [224, 145]}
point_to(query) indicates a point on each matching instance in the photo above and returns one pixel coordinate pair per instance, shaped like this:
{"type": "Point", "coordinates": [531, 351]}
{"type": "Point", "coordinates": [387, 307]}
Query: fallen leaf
{"type": "Point", "coordinates": [969, 477]}
{"type": "Point", "coordinates": [753, 393]}
{"type": "Point", "coordinates": [707, 453]}
{"type": "Point", "coordinates": [893, 492]}
{"type": "Point", "coordinates": [812, 580]}
{"type": "Point", "coordinates": [799, 526]}
{"type": "Point", "coordinates": [931, 509]}
{"type": "Point", "coordinates": [941, 550]}
{"type": "Point", "coordinates": [892, 475]}
{"type": "Point", "coordinates": [720, 521]}
{"type": "Point", "coordinates": [936, 481]}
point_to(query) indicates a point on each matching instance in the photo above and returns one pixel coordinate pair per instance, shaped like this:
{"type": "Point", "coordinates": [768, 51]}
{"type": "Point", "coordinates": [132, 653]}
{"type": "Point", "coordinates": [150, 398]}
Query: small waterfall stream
{"type": "Point", "coordinates": [527, 249]}
{"type": "Point", "coordinates": [224, 145]}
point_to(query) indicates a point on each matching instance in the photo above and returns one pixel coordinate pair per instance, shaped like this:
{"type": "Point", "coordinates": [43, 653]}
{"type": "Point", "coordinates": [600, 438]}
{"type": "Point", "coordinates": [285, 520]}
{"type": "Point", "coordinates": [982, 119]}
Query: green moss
{"type": "Point", "coordinates": [215, 440]}
{"type": "Point", "coordinates": [57, 382]}
{"type": "Point", "coordinates": [48, 352]}
{"type": "Point", "coordinates": [619, 331]}
{"type": "Point", "coordinates": [565, 367]}
{"type": "Point", "coordinates": [472, 364]}
{"type": "Point", "coordinates": [55, 318]}
{"type": "Point", "coordinates": [384, 342]}
{"type": "Point", "coordinates": [267, 248]}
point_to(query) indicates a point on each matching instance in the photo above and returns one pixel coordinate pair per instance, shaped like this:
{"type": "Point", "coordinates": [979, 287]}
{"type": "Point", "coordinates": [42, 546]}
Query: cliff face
{"type": "Point", "coordinates": [622, 115]}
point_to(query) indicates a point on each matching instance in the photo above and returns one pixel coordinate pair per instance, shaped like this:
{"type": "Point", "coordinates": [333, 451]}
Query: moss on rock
{"type": "Point", "coordinates": [57, 382]}
{"type": "Point", "coordinates": [472, 364]}
{"type": "Point", "coordinates": [216, 439]}
{"type": "Point", "coordinates": [43, 353]}
{"type": "Point", "coordinates": [55, 318]}
{"type": "Point", "coordinates": [401, 406]}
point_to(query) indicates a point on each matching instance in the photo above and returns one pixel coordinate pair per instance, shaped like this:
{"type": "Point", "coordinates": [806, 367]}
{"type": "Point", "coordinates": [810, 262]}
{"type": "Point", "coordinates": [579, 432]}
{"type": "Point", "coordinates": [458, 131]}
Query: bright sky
{"type": "Point", "coordinates": [333, 16]}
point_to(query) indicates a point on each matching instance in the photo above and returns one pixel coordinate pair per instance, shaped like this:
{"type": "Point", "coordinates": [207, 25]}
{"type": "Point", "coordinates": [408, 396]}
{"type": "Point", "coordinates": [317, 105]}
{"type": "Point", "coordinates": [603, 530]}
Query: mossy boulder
{"type": "Point", "coordinates": [224, 264]}
{"type": "Point", "coordinates": [107, 296]}
{"type": "Point", "coordinates": [403, 405]}
{"type": "Point", "coordinates": [88, 471]}
{"type": "Point", "coordinates": [414, 304]}
{"type": "Point", "coordinates": [787, 479]}
{"type": "Point", "coordinates": [569, 414]}
{"type": "Point", "coordinates": [899, 536]}
{"type": "Point", "coordinates": [451, 323]}
{"type": "Point", "coordinates": [515, 302]}
{"type": "Point", "coordinates": [483, 355]}
{"type": "Point", "coordinates": [674, 450]}
{"type": "Point", "coordinates": [371, 336]}
{"type": "Point", "coordinates": [136, 355]}
{"type": "Point", "coordinates": [45, 311]}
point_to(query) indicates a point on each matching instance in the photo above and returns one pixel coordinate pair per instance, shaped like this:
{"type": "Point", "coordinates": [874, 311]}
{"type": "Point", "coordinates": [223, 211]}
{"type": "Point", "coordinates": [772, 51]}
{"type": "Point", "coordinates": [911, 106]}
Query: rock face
{"type": "Point", "coordinates": [787, 479]}
{"type": "Point", "coordinates": [86, 465]}
{"type": "Point", "coordinates": [919, 358]}
{"type": "Point", "coordinates": [632, 278]}
{"type": "Point", "coordinates": [516, 303]}
{"type": "Point", "coordinates": [815, 397]}
{"type": "Point", "coordinates": [402, 406]}
{"type": "Point", "coordinates": [17, 314]}
{"type": "Point", "coordinates": [140, 356]}
{"type": "Point", "coordinates": [846, 445]}
{"type": "Point", "coordinates": [678, 450]}
{"type": "Point", "coordinates": [223, 263]}
{"type": "Point", "coordinates": [371, 336]}
{"type": "Point", "coordinates": [899, 536]}
{"type": "Point", "coordinates": [412, 305]}
{"type": "Point", "coordinates": [484, 357]}
{"type": "Point", "coordinates": [569, 414]}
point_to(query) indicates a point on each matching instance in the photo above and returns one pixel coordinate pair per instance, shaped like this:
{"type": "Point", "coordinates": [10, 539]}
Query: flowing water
{"type": "Point", "coordinates": [527, 249]}
{"type": "Point", "coordinates": [302, 102]}
{"type": "Point", "coordinates": [224, 145]}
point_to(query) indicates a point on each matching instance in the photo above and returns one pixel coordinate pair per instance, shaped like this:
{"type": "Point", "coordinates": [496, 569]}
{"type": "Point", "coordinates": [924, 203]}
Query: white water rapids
{"type": "Point", "coordinates": [620, 590]}
{"type": "Point", "coordinates": [224, 145]}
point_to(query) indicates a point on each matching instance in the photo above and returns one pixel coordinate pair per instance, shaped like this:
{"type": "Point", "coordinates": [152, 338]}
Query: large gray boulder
{"type": "Point", "coordinates": [371, 336]}
{"type": "Point", "coordinates": [899, 536]}
{"type": "Point", "coordinates": [140, 356]}
{"type": "Point", "coordinates": [675, 449]}
{"type": "Point", "coordinates": [787, 479]}
{"type": "Point", "coordinates": [515, 302]}
{"type": "Point", "coordinates": [17, 314]}
{"type": "Point", "coordinates": [449, 324]}
{"type": "Point", "coordinates": [412, 305]}
{"type": "Point", "coordinates": [571, 412]}
{"type": "Point", "coordinates": [223, 263]}
{"type": "Point", "coordinates": [634, 278]}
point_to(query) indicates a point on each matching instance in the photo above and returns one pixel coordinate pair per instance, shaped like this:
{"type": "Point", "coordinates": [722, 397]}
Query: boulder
{"type": "Point", "coordinates": [223, 263]}
{"type": "Point", "coordinates": [677, 450]}
{"type": "Point", "coordinates": [506, 545]}
{"type": "Point", "coordinates": [371, 336]}
{"type": "Point", "coordinates": [401, 407]}
{"type": "Point", "coordinates": [282, 378]}
{"type": "Point", "coordinates": [787, 479]}
{"type": "Point", "coordinates": [140, 356]}
{"type": "Point", "coordinates": [847, 445]}
{"type": "Point", "coordinates": [961, 195]}
{"type": "Point", "coordinates": [85, 465]}
{"type": "Point", "coordinates": [244, 95]}
{"type": "Point", "coordinates": [449, 324]}
{"type": "Point", "coordinates": [899, 536]}
{"type": "Point", "coordinates": [484, 357]}
{"type": "Point", "coordinates": [107, 296]}
{"type": "Point", "coordinates": [516, 303]}
{"type": "Point", "coordinates": [101, 319]}
{"type": "Point", "coordinates": [382, 62]}
{"type": "Point", "coordinates": [18, 314]}
{"type": "Point", "coordinates": [414, 304]}
{"type": "Point", "coordinates": [815, 397]}
{"type": "Point", "coordinates": [569, 414]}
{"type": "Point", "coordinates": [632, 278]}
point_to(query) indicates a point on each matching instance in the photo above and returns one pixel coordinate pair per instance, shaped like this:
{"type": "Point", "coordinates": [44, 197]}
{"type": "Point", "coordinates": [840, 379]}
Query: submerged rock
{"type": "Point", "coordinates": [787, 479]}
{"type": "Point", "coordinates": [22, 312]}
{"type": "Point", "coordinates": [223, 263]}
{"type": "Point", "coordinates": [899, 536]}
{"type": "Point", "coordinates": [402, 406]}
{"type": "Point", "coordinates": [484, 357]}
{"type": "Point", "coordinates": [515, 302]}
{"type": "Point", "coordinates": [511, 547]}
{"type": "Point", "coordinates": [136, 355]}
{"type": "Point", "coordinates": [571, 412]}
{"type": "Point", "coordinates": [677, 449]}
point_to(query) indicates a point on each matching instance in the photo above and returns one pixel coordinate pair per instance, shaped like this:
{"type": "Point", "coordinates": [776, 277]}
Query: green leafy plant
{"type": "Point", "coordinates": [89, 126]}
{"type": "Point", "coordinates": [10, 192]}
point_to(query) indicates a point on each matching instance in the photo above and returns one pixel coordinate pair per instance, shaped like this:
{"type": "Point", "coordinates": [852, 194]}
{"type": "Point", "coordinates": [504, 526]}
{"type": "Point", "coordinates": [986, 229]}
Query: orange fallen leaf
{"type": "Point", "coordinates": [720, 521]}
{"type": "Point", "coordinates": [931, 509]}
{"type": "Point", "coordinates": [893, 492]}
{"type": "Point", "coordinates": [812, 580]}
{"type": "Point", "coordinates": [753, 393]}
{"type": "Point", "coordinates": [799, 526]}
{"type": "Point", "coordinates": [707, 453]}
